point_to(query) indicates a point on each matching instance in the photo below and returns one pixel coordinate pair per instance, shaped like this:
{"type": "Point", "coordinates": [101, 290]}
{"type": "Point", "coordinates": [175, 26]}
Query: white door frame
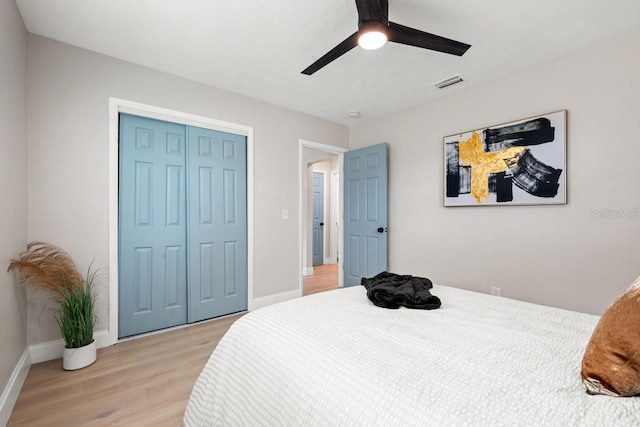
{"type": "Point", "coordinates": [302, 208]}
{"type": "Point", "coordinates": [117, 106]}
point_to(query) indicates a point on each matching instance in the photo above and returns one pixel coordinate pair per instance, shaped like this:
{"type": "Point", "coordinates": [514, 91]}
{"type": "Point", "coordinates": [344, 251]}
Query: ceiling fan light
{"type": "Point", "coordinates": [372, 35]}
{"type": "Point", "coordinates": [372, 40]}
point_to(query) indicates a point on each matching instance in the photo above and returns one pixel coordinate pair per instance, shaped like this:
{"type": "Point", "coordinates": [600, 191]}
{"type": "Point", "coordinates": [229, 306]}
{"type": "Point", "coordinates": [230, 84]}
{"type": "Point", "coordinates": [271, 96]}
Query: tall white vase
{"type": "Point", "coordinates": [78, 358]}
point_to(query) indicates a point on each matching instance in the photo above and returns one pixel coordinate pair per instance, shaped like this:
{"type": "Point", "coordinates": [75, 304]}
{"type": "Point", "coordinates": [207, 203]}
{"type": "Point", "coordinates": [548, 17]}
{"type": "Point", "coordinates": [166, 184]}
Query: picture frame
{"type": "Point", "coordinates": [522, 162]}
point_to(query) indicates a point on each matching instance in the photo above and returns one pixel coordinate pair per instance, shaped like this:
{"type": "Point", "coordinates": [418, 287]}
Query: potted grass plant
{"type": "Point", "coordinates": [51, 270]}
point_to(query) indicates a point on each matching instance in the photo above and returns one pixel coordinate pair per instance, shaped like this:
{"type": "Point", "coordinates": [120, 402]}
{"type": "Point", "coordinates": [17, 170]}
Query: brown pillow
{"type": "Point", "coordinates": [611, 363]}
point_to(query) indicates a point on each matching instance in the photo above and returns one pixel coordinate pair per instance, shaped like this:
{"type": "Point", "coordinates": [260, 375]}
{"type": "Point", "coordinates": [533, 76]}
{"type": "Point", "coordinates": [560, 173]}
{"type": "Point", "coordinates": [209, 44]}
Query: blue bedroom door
{"type": "Point", "coordinates": [182, 224]}
{"type": "Point", "coordinates": [318, 218]}
{"type": "Point", "coordinates": [217, 223]}
{"type": "Point", "coordinates": [153, 226]}
{"type": "Point", "coordinates": [365, 213]}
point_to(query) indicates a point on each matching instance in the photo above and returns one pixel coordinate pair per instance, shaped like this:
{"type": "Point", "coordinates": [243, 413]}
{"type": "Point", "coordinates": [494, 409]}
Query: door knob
{"type": "Point", "coordinates": [322, 224]}
{"type": "Point", "coordinates": [380, 230]}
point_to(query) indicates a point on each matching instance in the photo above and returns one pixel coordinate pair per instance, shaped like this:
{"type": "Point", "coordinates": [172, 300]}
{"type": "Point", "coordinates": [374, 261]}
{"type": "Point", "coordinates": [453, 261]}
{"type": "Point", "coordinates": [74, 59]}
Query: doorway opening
{"type": "Point", "coordinates": [320, 217]}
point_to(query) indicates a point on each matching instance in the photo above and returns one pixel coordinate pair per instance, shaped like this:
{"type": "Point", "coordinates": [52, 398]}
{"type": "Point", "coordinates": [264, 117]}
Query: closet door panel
{"type": "Point", "coordinates": [217, 232]}
{"type": "Point", "coordinates": [152, 225]}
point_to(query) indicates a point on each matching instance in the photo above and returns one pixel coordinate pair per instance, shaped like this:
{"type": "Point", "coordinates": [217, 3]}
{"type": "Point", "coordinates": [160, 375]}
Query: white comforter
{"type": "Point", "coordinates": [334, 359]}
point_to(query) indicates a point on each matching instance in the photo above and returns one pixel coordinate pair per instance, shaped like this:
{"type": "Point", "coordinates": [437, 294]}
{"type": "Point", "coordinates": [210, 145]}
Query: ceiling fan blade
{"type": "Point", "coordinates": [371, 10]}
{"type": "Point", "coordinates": [335, 53]}
{"type": "Point", "coordinates": [412, 37]}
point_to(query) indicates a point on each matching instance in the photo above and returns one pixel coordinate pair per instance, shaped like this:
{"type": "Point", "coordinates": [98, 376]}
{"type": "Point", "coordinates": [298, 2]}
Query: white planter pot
{"type": "Point", "coordinates": [78, 358]}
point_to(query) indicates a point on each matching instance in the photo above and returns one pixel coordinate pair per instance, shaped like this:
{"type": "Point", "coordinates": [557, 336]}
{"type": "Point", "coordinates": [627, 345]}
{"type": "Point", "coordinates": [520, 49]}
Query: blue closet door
{"type": "Point", "coordinates": [153, 225]}
{"type": "Point", "coordinates": [217, 209]}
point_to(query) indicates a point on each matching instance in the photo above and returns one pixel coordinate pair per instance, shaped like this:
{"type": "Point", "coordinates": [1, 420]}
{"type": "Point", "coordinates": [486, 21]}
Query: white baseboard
{"type": "Point", "coordinates": [330, 260]}
{"type": "Point", "coordinates": [13, 387]}
{"type": "Point", "coordinates": [307, 271]}
{"type": "Point", "coordinates": [51, 350]}
{"type": "Point", "coordinates": [274, 299]}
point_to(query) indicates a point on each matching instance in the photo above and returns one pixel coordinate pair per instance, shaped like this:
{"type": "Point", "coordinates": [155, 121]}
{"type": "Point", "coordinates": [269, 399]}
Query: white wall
{"type": "Point", "coordinates": [555, 255]}
{"type": "Point", "coordinates": [13, 184]}
{"type": "Point", "coordinates": [69, 90]}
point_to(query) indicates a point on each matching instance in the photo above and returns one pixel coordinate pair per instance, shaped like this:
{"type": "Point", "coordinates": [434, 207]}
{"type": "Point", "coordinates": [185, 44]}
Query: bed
{"type": "Point", "coordinates": [335, 359]}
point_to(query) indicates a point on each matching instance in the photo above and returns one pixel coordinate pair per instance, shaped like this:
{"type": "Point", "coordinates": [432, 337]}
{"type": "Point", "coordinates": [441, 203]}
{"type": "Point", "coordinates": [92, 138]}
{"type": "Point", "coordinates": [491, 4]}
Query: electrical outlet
{"type": "Point", "coordinates": [285, 214]}
{"type": "Point", "coordinates": [495, 291]}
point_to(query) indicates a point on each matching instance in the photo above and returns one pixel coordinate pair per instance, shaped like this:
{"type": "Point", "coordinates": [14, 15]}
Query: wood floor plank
{"type": "Point", "coordinates": [141, 382]}
{"type": "Point", "coordinates": [324, 278]}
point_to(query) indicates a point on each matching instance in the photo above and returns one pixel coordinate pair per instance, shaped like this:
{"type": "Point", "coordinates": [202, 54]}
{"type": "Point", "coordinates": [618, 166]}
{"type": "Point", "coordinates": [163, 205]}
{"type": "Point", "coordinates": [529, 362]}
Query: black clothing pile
{"type": "Point", "coordinates": [389, 290]}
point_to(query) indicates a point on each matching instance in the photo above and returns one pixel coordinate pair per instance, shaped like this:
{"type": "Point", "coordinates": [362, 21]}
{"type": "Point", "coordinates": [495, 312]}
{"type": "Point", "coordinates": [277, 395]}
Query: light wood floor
{"type": "Point", "coordinates": [141, 382]}
{"type": "Point", "coordinates": [325, 278]}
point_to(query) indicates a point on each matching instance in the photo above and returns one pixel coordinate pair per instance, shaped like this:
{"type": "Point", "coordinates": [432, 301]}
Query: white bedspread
{"type": "Point", "coordinates": [334, 359]}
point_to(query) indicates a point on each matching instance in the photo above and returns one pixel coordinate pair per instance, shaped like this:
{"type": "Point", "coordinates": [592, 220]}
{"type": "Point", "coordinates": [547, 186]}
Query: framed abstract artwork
{"type": "Point", "coordinates": [517, 163]}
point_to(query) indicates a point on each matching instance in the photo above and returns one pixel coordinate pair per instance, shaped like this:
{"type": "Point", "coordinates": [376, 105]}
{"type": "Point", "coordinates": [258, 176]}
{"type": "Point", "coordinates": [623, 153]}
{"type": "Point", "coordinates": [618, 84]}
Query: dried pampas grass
{"type": "Point", "coordinates": [48, 268]}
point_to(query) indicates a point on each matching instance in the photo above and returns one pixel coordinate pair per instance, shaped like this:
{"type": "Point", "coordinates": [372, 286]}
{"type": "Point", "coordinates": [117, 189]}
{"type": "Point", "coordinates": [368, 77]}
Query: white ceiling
{"type": "Point", "coordinates": [258, 48]}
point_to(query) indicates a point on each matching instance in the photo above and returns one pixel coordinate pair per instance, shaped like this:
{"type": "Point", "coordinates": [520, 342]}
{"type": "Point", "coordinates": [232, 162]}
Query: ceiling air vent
{"type": "Point", "coordinates": [448, 82]}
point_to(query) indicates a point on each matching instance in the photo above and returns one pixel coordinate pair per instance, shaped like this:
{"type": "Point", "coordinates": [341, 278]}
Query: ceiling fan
{"type": "Point", "coordinates": [374, 30]}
